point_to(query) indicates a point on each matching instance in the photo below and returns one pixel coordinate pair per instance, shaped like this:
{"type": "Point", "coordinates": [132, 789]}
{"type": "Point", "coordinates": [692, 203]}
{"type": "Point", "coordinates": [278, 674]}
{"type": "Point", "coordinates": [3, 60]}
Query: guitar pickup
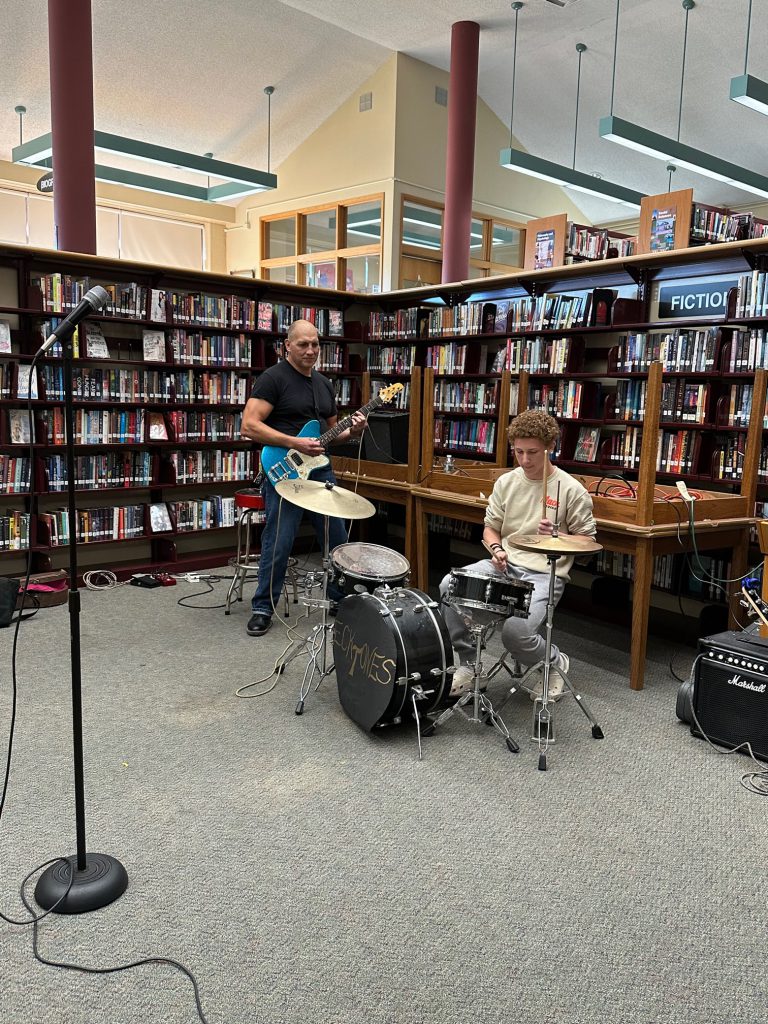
{"type": "Point", "coordinates": [296, 458]}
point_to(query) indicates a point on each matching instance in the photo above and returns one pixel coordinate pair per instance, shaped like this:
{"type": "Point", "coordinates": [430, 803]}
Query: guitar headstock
{"type": "Point", "coordinates": [388, 393]}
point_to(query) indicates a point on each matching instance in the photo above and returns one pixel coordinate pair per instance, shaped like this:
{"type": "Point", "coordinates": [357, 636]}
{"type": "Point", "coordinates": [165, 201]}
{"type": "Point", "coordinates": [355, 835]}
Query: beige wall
{"type": "Point", "coordinates": [350, 155]}
{"type": "Point", "coordinates": [212, 217]}
{"type": "Point", "coordinates": [420, 142]}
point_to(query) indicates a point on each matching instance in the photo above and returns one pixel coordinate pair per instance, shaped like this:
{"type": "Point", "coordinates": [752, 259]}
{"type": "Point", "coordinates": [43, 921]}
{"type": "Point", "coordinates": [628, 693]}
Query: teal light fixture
{"type": "Point", "coordinates": [238, 181]}
{"type": "Point", "coordinates": [643, 140]}
{"type": "Point", "coordinates": [546, 170]}
{"type": "Point", "coordinates": [746, 89]}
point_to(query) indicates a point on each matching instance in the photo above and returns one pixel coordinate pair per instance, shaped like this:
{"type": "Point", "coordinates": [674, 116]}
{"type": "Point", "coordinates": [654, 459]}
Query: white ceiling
{"type": "Point", "coordinates": [191, 73]}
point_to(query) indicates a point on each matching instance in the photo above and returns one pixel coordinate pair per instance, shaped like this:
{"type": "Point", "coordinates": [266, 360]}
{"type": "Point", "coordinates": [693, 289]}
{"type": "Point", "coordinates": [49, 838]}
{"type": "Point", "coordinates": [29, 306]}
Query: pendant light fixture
{"type": "Point", "coordinates": [746, 89]}
{"type": "Point", "coordinates": [673, 151]}
{"type": "Point", "coordinates": [546, 170]}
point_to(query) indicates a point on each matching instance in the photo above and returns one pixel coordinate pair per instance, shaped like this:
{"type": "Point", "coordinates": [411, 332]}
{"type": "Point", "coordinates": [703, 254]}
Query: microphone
{"type": "Point", "coordinates": [91, 302]}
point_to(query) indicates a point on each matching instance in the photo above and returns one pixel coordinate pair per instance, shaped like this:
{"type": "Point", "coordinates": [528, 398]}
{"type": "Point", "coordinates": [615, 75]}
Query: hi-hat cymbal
{"type": "Point", "coordinates": [326, 498]}
{"type": "Point", "coordinates": [563, 544]}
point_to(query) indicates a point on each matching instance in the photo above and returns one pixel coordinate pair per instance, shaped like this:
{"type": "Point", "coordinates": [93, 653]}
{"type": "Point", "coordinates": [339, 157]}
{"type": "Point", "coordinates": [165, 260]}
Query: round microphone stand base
{"type": "Point", "coordinates": [101, 882]}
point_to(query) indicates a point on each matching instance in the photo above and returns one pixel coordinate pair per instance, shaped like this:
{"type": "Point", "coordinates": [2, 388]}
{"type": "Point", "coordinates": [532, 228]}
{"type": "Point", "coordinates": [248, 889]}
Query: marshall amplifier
{"type": "Point", "coordinates": [730, 691]}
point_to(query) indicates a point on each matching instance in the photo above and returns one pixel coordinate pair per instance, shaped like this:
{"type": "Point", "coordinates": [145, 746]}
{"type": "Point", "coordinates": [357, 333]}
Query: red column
{"type": "Point", "coordinates": [71, 62]}
{"type": "Point", "coordinates": [460, 151]}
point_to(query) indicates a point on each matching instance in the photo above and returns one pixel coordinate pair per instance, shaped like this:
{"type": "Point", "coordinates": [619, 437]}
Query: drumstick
{"type": "Point", "coordinates": [490, 551]}
{"type": "Point", "coordinates": [544, 485]}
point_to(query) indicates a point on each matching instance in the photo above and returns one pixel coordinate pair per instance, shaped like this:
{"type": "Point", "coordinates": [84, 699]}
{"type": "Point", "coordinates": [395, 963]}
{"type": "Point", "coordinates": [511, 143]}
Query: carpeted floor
{"type": "Point", "coordinates": [307, 871]}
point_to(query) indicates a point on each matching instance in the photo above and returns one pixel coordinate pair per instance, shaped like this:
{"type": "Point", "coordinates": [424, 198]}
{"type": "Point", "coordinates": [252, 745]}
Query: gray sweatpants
{"type": "Point", "coordinates": [521, 637]}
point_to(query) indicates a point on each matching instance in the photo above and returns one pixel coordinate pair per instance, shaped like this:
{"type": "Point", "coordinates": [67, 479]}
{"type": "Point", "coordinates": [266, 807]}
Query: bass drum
{"type": "Point", "coordinates": [385, 643]}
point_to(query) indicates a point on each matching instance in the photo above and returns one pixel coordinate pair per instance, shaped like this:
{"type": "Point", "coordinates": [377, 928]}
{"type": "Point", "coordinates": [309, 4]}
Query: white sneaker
{"type": "Point", "coordinates": [463, 681]}
{"type": "Point", "coordinates": [556, 681]}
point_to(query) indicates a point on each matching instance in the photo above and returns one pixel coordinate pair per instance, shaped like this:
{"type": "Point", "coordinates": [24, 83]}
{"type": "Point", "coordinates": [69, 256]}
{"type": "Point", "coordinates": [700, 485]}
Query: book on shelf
{"type": "Point", "coordinates": [18, 424]}
{"type": "Point", "coordinates": [663, 229]}
{"type": "Point", "coordinates": [265, 316]}
{"type": "Point", "coordinates": [335, 323]}
{"type": "Point", "coordinates": [544, 256]}
{"type": "Point", "coordinates": [5, 337]}
{"type": "Point", "coordinates": [153, 344]}
{"type": "Point", "coordinates": [157, 307]}
{"type": "Point", "coordinates": [26, 384]}
{"type": "Point", "coordinates": [95, 343]}
{"type": "Point", "coordinates": [156, 427]}
{"type": "Point", "coordinates": [160, 518]}
{"type": "Point", "coordinates": [586, 445]}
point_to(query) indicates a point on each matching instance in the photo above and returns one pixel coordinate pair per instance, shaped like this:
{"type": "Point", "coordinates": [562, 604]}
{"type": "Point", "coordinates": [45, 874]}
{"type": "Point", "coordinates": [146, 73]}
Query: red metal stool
{"type": "Point", "coordinates": [250, 508]}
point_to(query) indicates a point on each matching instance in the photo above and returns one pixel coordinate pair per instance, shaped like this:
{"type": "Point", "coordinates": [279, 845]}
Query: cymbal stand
{"type": "Point", "coordinates": [315, 645]}
{"type": "Point", "coordinates": [544, 706]}
{"type": "Point", "coordinates": [482, 710]}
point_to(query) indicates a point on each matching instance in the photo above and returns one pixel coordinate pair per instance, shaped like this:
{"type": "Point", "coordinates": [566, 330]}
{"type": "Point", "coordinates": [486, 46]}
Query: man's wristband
{"type": "Point", "coordinates": [496, 547]}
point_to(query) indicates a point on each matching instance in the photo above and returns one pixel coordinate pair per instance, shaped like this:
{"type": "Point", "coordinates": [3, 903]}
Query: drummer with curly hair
{"type": "Point", "coordinates": [515, 507]}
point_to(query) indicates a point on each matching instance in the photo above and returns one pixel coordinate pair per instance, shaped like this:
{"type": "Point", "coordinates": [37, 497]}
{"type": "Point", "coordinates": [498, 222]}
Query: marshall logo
{"type": "Point", "coordinates": [744, 684]}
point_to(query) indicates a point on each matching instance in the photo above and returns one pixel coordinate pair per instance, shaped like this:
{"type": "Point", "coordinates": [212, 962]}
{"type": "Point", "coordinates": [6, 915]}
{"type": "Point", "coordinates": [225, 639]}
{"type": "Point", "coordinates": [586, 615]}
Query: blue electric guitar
{"type": "Point", "coordinates": [289, 464]}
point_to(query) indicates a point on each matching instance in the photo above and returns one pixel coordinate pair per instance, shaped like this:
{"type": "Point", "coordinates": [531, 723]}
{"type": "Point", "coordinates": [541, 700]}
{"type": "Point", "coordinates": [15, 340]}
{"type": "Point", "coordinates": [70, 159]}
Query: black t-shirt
{"type": "Point", "coordinates": [292, 397]}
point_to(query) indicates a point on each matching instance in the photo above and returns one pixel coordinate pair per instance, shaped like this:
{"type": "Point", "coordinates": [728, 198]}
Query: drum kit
{"type": "Point", "coordinates": [392, 653]}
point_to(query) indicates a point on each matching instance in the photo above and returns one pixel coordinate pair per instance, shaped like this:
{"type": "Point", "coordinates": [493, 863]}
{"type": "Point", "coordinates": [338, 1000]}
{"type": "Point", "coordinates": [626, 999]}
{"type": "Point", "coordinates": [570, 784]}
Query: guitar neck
{"type": "Point", "coordinates": [326, 438]}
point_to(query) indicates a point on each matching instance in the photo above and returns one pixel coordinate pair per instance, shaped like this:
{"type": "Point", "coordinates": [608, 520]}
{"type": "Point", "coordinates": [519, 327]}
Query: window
{"type": "Point", "coordinates": [495, 246]}
{"type": "Point", "coordinates": [337, 246]}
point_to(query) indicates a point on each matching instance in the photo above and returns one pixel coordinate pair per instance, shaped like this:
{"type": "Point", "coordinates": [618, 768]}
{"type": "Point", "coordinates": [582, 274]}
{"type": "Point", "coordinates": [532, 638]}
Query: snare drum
{"type": "Point", "coordinates": [496, 594]}
{"type": "Point", "coordinates": [367, 566]}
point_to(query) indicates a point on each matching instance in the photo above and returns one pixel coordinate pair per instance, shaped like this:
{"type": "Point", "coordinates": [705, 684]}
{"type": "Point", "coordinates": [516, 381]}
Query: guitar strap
{"type": "Point", "coordinates": [316, 378]}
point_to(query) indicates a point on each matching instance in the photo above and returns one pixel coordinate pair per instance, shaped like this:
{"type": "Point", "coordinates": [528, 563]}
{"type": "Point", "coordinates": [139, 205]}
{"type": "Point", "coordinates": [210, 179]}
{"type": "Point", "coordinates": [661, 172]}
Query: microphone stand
{"type": "Point", "coordinates": [93, 879]}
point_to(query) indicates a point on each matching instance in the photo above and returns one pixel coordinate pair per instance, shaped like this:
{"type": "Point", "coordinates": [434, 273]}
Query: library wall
{"type": "Point", "coordinates": [169, 232]}
{"type": "Point", "coordinates": [420, 141]}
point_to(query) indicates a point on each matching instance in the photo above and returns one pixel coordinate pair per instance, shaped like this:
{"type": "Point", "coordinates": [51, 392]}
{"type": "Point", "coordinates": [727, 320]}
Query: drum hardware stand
{"type": "Point", "coordinates": [315, 645]}
{"type": "Point", "coordinates": [482, 709]}
{"type": "Point", "coordinates": [419, 693]}
{"type": "Point", "coordinates": [544, 706]}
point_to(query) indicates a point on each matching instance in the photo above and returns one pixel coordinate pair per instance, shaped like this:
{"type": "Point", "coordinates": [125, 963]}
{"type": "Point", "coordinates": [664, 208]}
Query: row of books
{"type": "Point", "coordinates": [119, 522]}
{"type": "Point", "coordinates": [675, 573]}
{"type": "Point", "coordinates": [14, 531]}
{"type": "Point", "coordinates": [468, 396]}
{"type": "Point", "coordinates": [392, 358]}
{"type": "Point", "coordinates": [596, 243]}
{"type": "Point", "coordinates": [615, 563]}
{"type": "Point", "coordinates": [348, 391]}
{"type": "Point", "coordinates": [465, 435]}
{"type": "Point", "coordinates": [538, 354]}
{"type": "Point", "coordinates": [550, 311]}
{"type": "Point", "coordinates": [14, 474]}
{"type": "Point", "coordinates": [450, 359]}
{"type": "Point", "coordinates": [748, 351]}
{"type": "Point", "coordinates": [224, 387]}
{"type": "Point", "coordinates": [450, 527]}
{"type": "Point", "coordinates": [710, 224]}
{"type": "Point", "coordinates": [196, 349]}
{"type": "Point", "coordinates": [752, 294]}
{"type": "Point", "coordinates": [185, 426]}
{"type": "Point", "coordinates": [95, 426]}
{"type": "Point", "coordinates": [331, 357]}
{"type": "Point", "coordinates": [99, 471]}
{"type": "Point", "coordinates": [677, 450]}
{"type": "Point", "coordinates": [728, 460]}
{"type": "Point", "coordinates": [209, 513]}
{"type": "Point", "coordinates": [681, 350]}
{"type": "Point", "coordinates": [208, 466]}
{"type": "Point", "coordinates": [278, 316]}
{"type": "Point", "coordinates": [60, 293]}
{"type": "Point", "coordinates": [561, 398]}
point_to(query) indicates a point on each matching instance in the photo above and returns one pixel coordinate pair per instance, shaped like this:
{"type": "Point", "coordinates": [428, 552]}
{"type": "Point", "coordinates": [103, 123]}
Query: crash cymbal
{"type": "Point", "coordinates": [563, 544]}
{"type": "Point", "coordinates": [326, 498]}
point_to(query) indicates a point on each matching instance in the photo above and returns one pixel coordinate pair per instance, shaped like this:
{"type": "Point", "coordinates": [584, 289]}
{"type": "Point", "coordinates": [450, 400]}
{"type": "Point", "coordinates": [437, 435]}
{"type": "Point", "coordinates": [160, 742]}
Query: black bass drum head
{"type": "Point", "coordinates": [379, 641]}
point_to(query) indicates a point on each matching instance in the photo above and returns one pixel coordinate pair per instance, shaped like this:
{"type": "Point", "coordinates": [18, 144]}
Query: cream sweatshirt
{"type": "Point", "coordinates": [515, 507]}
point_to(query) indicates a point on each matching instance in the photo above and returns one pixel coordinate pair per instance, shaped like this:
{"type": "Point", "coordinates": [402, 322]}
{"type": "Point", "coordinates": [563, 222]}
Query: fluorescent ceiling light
{"type": "Point", "coordinates": [642, 140]}
{"type": "Point", "coordinates": [750, 92]}
{"type": "Point", "coordinates": [536, 167]}
{"type": "Point", "coordinates": [238, 181]}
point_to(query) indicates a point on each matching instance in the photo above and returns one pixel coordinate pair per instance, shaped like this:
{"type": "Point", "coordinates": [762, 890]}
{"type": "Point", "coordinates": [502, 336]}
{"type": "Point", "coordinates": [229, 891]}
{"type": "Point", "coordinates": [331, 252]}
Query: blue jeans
{"type": "Point", "coordinates": [276, 546]}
